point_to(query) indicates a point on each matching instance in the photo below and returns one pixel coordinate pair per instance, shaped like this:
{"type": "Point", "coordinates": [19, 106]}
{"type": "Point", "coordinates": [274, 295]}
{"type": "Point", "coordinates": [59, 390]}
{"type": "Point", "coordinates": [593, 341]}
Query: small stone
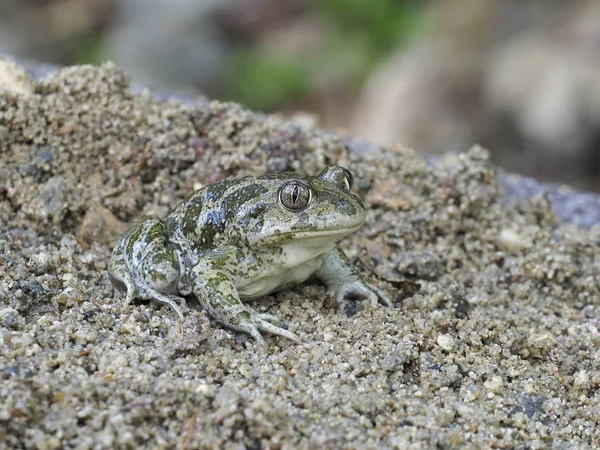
{"type": "Point", "coordinates": [581, 379]}
{"type": "Point", "coordinates": [393, 361]}
{"type": "Point", "coordinates": [8, 317]}
{"type": "Point", "coordinates": [33, 289]}
{"type": "Point", "coordinates": [421, 265]}
{"type": "Point", "coordinates": [494, 384]}
{"type": "Point", "coordinates": [466, 412]}
{"type": "Point", "coordinates": [21, 339]}
{"type": "Point", "coordinates": [530, 404]}
{"type": "Point", "coordinates": [69, 296]}
{"type": "Point", "coordinates": [446, 342]}
{"type": "Point", "coordinates": [100, 225]}
{"type": "Point", "coordinates": [14, 79]}
{"type": "Point", "coordinates": [227, 395]}
{"type": "Point", "coordinates": [511, 241]}
{"type": "Point", "coordinates": [202, 388]}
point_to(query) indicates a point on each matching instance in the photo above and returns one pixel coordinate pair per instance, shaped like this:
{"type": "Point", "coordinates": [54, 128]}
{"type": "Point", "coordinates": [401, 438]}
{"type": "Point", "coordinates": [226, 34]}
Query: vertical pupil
{"type": "Point", "coordinates": [295, 194]}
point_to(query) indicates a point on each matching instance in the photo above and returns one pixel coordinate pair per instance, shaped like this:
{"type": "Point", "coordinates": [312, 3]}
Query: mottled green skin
{"type": "Point", "coordinates": [235, 239]}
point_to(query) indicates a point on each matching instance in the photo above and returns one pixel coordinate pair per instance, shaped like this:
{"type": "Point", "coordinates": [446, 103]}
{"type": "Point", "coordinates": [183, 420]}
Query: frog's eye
{"type": "Point", "coordinates": [348, 178]}
{"type": "Point", "coordinates": [295, 196]}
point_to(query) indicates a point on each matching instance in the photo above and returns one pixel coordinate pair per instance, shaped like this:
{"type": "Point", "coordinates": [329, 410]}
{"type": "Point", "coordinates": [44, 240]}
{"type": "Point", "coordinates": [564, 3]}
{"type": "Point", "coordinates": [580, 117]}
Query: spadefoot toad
{"type": "Point", "coordinates": [243, 238]}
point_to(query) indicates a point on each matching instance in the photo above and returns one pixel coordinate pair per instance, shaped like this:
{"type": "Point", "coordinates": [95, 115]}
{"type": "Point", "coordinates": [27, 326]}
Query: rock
{"type": "Point", "coordinates": [511, 241]}
{"type": "Point", "coordinates": [421, 265]}
{"type": "Point", "coordinates": [494, 384]}
{"type": "Point", "coordinates": [14, 79]}
{"type": "Point", "coordinates": [445, 341]}
{"type": "Point", "coordinates": [530, 404]}
{"type": "Point", "coordinates": [100, 225]}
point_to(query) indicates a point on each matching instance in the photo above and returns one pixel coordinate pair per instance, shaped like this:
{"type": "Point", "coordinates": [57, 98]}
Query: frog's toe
{"type": "Point", "coordinates": [362, 291]}
{"type": "Point", "coordinates": [171, 300]}
{"type": "Point", "coordinates": [263, 325]}
{"type": "Point", "coordinates": [253, 331]}
{"type": "Point", "coordinates": [255, 323]}
{"type": "Point", "coordinates": [381, 295]}
{"type": "Point", "coordinates": [122, 279]}
{"type": "Point", "coordinates": [132, 292]}
{"type": "Point", "coordinates": [269, 318]}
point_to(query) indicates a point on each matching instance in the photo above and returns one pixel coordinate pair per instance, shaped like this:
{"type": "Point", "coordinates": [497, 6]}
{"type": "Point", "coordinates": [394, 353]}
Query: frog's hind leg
{"type": "Point", "coordinates": [146, 263]}
{"type": "Point", "coordinates": [120, 274]}
{"type": "Point", "coordinates": [212, 284]}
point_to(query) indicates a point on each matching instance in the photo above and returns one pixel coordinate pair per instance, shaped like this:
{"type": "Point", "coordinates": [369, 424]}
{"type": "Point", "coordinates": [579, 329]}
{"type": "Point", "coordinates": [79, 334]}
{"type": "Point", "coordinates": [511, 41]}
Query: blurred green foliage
{"type": "Point", "coordinates": [380, 23]}
{"type": "Point", "coordinates": [262, 82]}
{"type": "Point", "coordinates": [90, 49]}
{"type": "Point", "coordinates": [360, 33]}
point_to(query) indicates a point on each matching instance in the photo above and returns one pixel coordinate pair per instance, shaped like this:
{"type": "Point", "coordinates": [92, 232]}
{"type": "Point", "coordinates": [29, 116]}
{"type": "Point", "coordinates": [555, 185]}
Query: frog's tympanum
{"type": "Point", "coordinates": [243, 238]}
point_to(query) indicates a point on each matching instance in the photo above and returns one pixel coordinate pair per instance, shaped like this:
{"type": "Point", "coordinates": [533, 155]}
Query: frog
{"type": "Point", "coordinates": [242, 238]}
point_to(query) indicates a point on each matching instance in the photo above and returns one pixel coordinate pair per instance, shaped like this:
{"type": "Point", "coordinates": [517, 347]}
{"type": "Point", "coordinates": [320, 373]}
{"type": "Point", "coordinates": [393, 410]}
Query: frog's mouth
{"type": "Point", "coordinates": [316, 234]}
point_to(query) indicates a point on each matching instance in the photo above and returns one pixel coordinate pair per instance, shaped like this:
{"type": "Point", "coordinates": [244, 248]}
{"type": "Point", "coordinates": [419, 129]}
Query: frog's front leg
{"type": "Point", "coordinates": [211, 281]}
{"type": "Point", "coordinates": [145, 262]}
{"type": "Point", "coordinates": [341, 277]}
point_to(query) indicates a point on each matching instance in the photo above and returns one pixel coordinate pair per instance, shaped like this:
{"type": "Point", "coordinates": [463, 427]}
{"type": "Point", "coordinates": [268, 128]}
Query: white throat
{"type": "Point", "coordinates": [300, 257]}
{"type": "Point", "coordinates": [302, 249]}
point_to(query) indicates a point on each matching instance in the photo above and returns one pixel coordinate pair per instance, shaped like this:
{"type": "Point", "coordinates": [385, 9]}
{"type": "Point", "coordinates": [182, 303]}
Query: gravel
{"type": "Point", "coordinates": [493, 342]}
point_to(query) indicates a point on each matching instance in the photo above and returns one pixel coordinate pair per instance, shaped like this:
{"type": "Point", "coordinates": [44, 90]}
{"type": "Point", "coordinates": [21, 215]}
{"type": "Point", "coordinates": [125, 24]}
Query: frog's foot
{"type": "Point", "coordinates": [144, 292]}
{"type": "Point", "coordinates": [147, 265]}
{"type": "Point", "coordinates": [127, 281]}
{"type": "Point", "coordinates": [120, 275]}
{"type": "Point", "coordinates": [212, 284]}
{"type": "Point", "coordinates": [246, 320]}
{"type": "Point", "coordinates": [358, 290]}
{"type": "Point", "coordinates": [341, 277]}
{"type": "Point", "coordinates": [169, 299]}
{"type": "Point", "coordinates": [269, 318]}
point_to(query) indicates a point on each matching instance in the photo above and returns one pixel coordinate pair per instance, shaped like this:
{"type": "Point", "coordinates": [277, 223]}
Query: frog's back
{"type": "Point", "coordinates": [223, 212]}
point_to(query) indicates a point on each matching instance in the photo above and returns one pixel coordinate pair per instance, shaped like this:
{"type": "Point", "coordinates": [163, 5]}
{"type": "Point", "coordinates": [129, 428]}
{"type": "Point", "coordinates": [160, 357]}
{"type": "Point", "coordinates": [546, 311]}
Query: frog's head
{"type": "Point", "coordinates": [309, 212]}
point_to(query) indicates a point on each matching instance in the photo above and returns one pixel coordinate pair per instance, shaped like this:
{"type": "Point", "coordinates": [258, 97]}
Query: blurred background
{"type": "Point", "coordinates": [521, 78]}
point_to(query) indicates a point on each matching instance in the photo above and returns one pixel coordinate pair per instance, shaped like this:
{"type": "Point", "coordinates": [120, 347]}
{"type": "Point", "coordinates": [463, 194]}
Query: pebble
{"type": "Point", "coordinates": [446, 342]}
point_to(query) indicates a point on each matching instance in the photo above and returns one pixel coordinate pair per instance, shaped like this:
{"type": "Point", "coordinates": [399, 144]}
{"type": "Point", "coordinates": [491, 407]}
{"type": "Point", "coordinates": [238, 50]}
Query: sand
{"type": "Point", "coordinates": [493, 342]}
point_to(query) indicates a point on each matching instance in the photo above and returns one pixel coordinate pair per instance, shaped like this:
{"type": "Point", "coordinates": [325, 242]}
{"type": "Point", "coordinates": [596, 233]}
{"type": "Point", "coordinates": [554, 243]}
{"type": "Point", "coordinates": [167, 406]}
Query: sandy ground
{"type": "Point", "coordinates": [493, 341]}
